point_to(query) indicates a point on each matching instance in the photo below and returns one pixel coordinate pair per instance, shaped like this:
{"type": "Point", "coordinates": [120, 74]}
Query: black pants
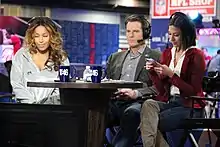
{"type": "Point", "coordinates": [127, 115]}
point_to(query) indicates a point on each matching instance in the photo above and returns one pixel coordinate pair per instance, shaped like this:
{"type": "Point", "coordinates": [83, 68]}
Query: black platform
{"type": "Point", "coordinates": [23, 125]}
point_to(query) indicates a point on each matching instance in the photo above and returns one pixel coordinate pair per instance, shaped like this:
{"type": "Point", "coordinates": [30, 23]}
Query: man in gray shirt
{"type": "Point", "coordinates": [129, 66]}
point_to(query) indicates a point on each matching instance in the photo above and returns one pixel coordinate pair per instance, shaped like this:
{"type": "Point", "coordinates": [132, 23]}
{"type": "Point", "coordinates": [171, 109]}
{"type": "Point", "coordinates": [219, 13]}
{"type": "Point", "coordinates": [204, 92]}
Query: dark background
{"type": "Point", "coordinates": [141, 6]}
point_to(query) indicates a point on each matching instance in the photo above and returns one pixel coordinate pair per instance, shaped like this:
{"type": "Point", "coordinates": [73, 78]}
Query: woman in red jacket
{"type": "Point", "coordinates": [178, 75]}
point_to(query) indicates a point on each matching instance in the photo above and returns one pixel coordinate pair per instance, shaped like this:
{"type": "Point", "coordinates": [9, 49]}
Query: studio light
{"type": "Point", "coordinates": [193, 15]}
{"type": "Point", "coordinates": [197, 19]}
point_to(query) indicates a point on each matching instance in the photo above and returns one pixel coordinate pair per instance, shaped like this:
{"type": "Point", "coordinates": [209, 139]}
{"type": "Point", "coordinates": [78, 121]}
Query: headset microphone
{"type": "Point", "coordinates": [140, 41]}
{"type": "Point", "coordinates": [143, 40]}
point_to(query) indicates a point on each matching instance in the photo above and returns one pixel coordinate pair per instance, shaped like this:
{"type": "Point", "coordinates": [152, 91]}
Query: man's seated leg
{"type": "Point", "coordinates": [129, 122]}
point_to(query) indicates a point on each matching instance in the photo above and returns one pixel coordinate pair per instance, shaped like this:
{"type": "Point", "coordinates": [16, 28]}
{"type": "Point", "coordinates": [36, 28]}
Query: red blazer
{"type": "Point", "coordinates": [190, 80]}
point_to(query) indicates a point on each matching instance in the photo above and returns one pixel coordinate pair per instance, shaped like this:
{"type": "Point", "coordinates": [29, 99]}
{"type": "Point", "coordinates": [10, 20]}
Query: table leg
{"type": "Point", "coordinates": [96, 102]}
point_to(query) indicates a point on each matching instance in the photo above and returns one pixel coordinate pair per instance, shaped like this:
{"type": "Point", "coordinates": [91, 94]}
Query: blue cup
{"type": "Point", "coordinates": [64, 73]}
{"type": "Point", "coordinates": [96, 74]}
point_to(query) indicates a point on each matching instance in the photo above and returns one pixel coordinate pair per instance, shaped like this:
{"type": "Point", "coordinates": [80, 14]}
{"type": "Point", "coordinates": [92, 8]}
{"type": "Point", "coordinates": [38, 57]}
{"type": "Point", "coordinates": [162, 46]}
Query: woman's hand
{"type": "Point", "coordinates": [149, 65]}
{"type": "Point", "coordinates": [163, 70]}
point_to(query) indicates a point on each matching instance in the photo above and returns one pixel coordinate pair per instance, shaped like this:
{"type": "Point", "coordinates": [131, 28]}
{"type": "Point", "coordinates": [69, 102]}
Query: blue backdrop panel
{"type": "Point", "coordinates": [159, 33]}
{"type": "Point", "coordinates": [76, 40]}
{"type": "Point", "coordinates": [76, 37]}
{"type": "Point", "coordinates": [70, 38]}
{"type": "Point", "coordinates": [106, 41]}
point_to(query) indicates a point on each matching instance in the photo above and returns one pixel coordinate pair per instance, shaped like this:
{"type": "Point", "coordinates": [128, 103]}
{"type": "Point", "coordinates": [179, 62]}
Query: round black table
{"type": "Point", "coordinates": [93, 99]}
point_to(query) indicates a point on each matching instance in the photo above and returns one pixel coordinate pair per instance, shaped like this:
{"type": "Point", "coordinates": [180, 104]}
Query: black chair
{"type": "Point", "coordinates": [191, 123]}
{"type": "Point", "coordinates": [210, 85]}
{"type": "Point", "coordinates": [7, 97]}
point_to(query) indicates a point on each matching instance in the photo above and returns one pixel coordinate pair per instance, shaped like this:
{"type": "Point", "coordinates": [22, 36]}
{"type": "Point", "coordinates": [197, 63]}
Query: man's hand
{"type": "Point", "coordinates": [126, 93]}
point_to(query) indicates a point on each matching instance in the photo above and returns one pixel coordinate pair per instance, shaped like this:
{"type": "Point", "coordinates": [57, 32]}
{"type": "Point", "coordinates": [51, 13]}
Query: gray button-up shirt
{"type": "Point", "coordinates": [129, 67]}
{"type": "Point", "coordinates": [24, 70]}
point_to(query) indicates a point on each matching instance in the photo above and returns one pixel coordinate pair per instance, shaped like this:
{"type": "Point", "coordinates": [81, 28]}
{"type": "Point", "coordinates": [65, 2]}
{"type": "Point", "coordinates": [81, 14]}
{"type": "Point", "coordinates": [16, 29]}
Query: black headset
{"type": "Point", "coordinates": [146, 27]}
{"type": "Point", "coordinates": [180, 14]}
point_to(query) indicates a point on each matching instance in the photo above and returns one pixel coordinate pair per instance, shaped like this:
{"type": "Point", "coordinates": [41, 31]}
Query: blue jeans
{"type": "Point", "coordinates": [127, 113]}
{"type": "Point", "coordinates": [157, 117]}
{"type": "Point", "coordinates": [172, 114]}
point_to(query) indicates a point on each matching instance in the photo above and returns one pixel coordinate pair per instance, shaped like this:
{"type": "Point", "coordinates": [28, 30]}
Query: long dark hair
{"type": "Point", "coordinates": [188, 31]}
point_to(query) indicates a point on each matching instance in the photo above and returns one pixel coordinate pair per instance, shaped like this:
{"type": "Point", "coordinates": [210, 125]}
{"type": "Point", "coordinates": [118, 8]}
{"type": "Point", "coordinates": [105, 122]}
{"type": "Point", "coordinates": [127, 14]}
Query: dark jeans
{"type": "Point", "coordinates": [173, 113]}
{"type": "Point", "coordinates": [127, 113]}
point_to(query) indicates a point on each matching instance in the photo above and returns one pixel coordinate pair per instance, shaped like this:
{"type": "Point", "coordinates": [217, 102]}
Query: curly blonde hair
{"type": "Point", "coordinates": [56, 53]}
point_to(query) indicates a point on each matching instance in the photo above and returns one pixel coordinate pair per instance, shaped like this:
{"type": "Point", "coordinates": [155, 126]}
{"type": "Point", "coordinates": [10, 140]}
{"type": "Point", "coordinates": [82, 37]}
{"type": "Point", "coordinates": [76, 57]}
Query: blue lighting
{"type": "Point", "coordinates": [193, 15]}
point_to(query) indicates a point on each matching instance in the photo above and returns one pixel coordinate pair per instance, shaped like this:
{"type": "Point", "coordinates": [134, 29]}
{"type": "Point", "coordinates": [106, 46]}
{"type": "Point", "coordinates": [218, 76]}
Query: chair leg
{"type": "Point", "coordinates": [106, 143]}
{"type": "Point", "coordinates": [193, 140]}
{"type": "Point", "coordinates": [183, 139]}
{"type": "Point", "coordinates": [209, 135]}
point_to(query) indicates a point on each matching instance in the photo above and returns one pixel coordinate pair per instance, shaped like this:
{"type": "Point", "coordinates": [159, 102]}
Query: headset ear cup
{"type": "Point", "coordinates": [146, 30]}
{"type": "Point", "coordinates": [145, 35]}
